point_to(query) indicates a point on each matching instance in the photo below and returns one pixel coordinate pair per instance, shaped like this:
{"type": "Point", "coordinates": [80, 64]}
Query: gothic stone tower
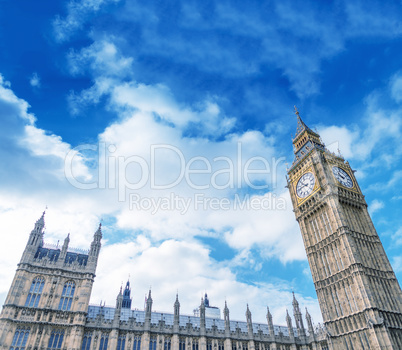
{"type": "Point", "coordinates": [47, 303]}
{"type": "Point", "coordinates": [358, 293]}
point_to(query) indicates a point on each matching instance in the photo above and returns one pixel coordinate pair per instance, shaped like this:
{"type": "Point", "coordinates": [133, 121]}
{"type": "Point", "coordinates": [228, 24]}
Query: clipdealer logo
{"type": "Point", "coordinates": [165, 168]}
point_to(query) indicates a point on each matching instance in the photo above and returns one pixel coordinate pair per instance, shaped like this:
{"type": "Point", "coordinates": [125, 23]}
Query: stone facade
{"type": "Point", "coordinates": [48, 300]}
{"type": "Point", "coordinates": [359, 295]}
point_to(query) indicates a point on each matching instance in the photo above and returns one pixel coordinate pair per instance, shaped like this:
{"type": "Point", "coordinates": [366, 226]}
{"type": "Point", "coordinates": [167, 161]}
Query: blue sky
{"type": "Point", "coordinates": [124, 111]}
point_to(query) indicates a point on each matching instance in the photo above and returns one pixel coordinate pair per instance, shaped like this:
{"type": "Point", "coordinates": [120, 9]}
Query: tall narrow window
{"type": "Point", "coordinates": [103, 341]}
{"type": "Point", "coordinates": [166, 345]}
{"type": "Point", "coordinates": [353, 297]}
{"type": "Point", "coordinates": [316, 228]}
{"type": "Point", "coordinates": [326, 258]}
{"type": "Point", "coordinates": [86, 342]}
{"type": "Point", "coordinates": [325, 224]}
{"type": "Point", "coordinates": [20, 339]}
{"type": "Point", "coordinates": [121, 342]}
{"type": "Point", "coordinates": [182, 344]}
{"type": "Point", "coordinates": [336, 259]}
{"type": "Point", "coordinates": [137, 343]}
{"type": "Point", "coordinates": [195, 344]}
{"type": "Point", "coordinates": [329, 222]}
{"type": "Point", "coordinates": [56, 339]}
{"type": "Point", "coordinates": [221, 346]}
{"type": "Point", "coordinates": [339, 254]}
{"type": "Point", "coordinates": [35, 292]}
{"type": "Point", "coordinates": [323, 265]}
{"type": "Point", "coordinates": [347, 297]}
{"type": "Point", "coordinates": [339, 303]}
{"type": "Point", "coordinates": [67, 296]}
{"type": "Point", "coordinates": [234, 345]}
{"type": "Point", "coordinates": [336, 306]}
{"type": "Point", "coordinates": [209, 345]}
{"type": "Point", "coordinates": [152, 343]}
{"type": "Point", "coordinates": [315, 233]}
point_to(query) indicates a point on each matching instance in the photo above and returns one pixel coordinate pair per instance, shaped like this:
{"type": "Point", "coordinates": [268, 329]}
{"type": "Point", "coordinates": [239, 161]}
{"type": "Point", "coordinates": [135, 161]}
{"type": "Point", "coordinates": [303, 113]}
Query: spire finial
{"type": "Point", "coordinates": [296, 111]}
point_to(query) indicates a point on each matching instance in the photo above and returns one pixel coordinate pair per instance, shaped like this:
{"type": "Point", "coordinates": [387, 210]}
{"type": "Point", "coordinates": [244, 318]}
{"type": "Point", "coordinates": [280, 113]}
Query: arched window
{"type": "Point", "coordinates": [137, 342]}
{"type": "Point", "coordinates": [121, 342]}
{"type": "Point", "coordinates": [67, 296]}
{"type": "Point", "coordinates": [103, 342]}
{"type": "Point", "coordinates": [86, 341]}
{"type": "Point", "coordinates": [166, 345]}
{"type": "Point", "coordinates": [56, 339]}
{"type": "Point", "coordinates": [35, 292]}
{"type": "Point", "coordinates": [182, 344]}
{"type": "Point", "coordinates": [20, 339]}
{"type": "Point", "coordinates": [152, 343]}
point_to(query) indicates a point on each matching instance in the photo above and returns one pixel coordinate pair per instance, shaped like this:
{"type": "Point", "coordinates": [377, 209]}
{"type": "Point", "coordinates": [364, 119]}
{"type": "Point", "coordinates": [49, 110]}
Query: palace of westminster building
{"type": "Point", "coordinates": [47, 306]}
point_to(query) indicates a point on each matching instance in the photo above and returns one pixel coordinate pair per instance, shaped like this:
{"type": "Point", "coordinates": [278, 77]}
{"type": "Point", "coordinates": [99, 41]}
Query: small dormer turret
{"type": "Point", "coordinates": [289, 324]}
{"type": "Point", "coordinates": [270, 323]}
{"type": "Point", "coordinates": [126, 303]}
{"type": "Point", "coordinates": [298, 317]}
{"type": "Point", "coordinates": [95, 247]}
{"type": "Point", "coordinates": [202, 318]}
{"type": "Point", "coordinates": [309, 324]}
{"type": "Point", "coordinates": [148, 311]}
{"type": "Point", "coordinates": [176, 320]}
{"type": "Point", "coordinates": [35, 240]}
{"type": "Point", "coordinates": [249, 323]}
{"type": "Point", "coordinates": [227, 320]}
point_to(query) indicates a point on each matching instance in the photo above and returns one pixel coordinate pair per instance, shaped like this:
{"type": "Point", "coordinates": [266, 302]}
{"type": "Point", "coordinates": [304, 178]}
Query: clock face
{"type": "Point", "coordinates": [305, 185]}
{"type": "Point", "coordinates": [342, 176]}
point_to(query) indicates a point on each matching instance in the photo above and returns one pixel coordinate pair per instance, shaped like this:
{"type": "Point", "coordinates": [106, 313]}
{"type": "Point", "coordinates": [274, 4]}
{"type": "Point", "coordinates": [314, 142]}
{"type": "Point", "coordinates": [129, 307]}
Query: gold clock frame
{"type": "Point", "coordinates": [315, 188]}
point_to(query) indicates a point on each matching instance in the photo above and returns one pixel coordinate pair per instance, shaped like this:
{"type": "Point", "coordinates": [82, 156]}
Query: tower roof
{"type": "Point", "coordinates": [301, 126]}
{"type": "Point", "coordinates": [305, 140]}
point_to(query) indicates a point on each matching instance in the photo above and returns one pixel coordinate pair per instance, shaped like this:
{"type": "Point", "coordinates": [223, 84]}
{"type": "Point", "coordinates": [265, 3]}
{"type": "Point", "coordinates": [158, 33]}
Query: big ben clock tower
{"type": "Point", "coordinates": [358, 293]}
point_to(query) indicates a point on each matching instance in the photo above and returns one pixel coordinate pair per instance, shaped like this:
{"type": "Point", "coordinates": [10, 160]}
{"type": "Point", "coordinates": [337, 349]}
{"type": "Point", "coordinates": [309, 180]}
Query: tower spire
{"type": "Point", "coordinates": [305, 140]}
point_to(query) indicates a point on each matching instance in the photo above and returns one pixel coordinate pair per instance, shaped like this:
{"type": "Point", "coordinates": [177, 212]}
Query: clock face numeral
{"type": "Point", "coordinates": [342, 176]}
{"type": "Point", "coordinates": [305, 185]}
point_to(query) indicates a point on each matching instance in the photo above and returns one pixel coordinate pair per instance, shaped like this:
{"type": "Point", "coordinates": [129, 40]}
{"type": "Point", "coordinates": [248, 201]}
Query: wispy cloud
{"type": "Point", "coordinates": [35, 80]}
{"type": "Point", "coordinates": [78, 12]}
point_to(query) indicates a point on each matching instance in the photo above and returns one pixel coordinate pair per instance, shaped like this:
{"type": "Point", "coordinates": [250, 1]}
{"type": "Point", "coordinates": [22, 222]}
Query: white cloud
{"type": "Point", "coordinates": [342, 139]}
{"type": "Point", "coordinates": [375, 205]}
{"type": "Point", "coordinates": [396, 87]}
{"type": "Point", "coordinates": [397, 263]}
{"type": "Point", "coordinates": [77, 14]}
{"type": "Point", "coordinates": [155, 249]}
{"type": "Point", "coordinates": [35, 80]}
{"type": "Point", "coordinates": [186, 268]}
{"type": "Point", "coordinates": [397, 237]}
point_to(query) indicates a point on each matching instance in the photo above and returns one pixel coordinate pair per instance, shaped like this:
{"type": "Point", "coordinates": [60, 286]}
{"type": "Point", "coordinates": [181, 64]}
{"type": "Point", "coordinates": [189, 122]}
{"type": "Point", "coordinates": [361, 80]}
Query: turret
{"type": "Point", "coordinates": [298, 317]}
{"type": "Point", "coordinates": [117, 312]}
{"type": "Point", "coordinates": [64, 248]}
{"type": "Point", "coordinates": [227, 320]}
{"type": "Point", "coordinates": [95, 246]}
{"type": "Point", "coordinates": [206, 300]}
{"type": "Point", "coordinates": [176, 320]}
{"type": "Point", "coordinates": [126, 303]}
{"type": "Point", "coordinates": [202, 317]}
{"type": "Point", "coordinates": [289, 323]}
{"type": "Point", "coordinates": [270, 323]}
{"type": "Point", "coordinates": [309, 324]}
{"type": "Point", "coordinates": [35, 240]}
{"type": "Point", "coordinates": [249, 323]}
{"type": "Point", "coordinates": [148, 311]}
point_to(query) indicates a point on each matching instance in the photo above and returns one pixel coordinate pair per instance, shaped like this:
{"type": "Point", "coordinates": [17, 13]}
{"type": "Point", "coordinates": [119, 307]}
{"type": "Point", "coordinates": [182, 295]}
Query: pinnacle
{"type": "Point", "coordinates": [301, 126]}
